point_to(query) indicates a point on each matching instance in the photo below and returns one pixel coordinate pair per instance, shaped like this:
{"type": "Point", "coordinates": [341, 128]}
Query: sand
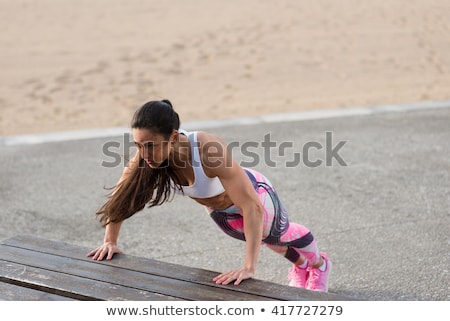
{"type": "Point", "coordinates": [69, 65]}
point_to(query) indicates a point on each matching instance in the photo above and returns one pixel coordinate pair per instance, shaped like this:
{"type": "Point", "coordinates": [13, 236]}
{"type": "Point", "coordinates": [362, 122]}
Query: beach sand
{"type": "Point", "coordinates": [68, 65]}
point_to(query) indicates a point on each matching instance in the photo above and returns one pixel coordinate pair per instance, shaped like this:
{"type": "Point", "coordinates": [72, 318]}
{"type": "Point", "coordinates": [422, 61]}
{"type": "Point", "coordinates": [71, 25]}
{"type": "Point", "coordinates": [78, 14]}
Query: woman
{"type": "Point", "coordinates": [241, 201]}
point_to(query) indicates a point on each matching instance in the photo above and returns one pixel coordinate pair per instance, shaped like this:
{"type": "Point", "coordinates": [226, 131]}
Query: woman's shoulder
{"type": "Point", "coordinates": [213, 152]}
{"type": "Point", "coordinates": [206, 139]}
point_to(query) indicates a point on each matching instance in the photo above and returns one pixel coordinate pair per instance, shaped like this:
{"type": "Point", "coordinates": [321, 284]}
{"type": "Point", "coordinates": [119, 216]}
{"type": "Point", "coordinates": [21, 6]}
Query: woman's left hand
{"type": "Point", "coordinates": [235, 275]}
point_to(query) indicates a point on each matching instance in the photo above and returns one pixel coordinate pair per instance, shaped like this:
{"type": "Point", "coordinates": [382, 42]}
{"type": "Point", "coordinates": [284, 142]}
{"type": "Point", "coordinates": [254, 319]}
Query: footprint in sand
{"type": "Point", "coordinates": [65, 78]}
{"type": "Point", "coordinates": [46, 99]}
{"type": "Point", "coordinates": [98, 69]}
{"type": "Point", "coordinates": [31, 81]}
{"type": "Point", "coordinates": [147, 58]}
{"type": "Point", "coordinates": [38, 86]}
{"type": "Point", "coordinates": [55, 89]}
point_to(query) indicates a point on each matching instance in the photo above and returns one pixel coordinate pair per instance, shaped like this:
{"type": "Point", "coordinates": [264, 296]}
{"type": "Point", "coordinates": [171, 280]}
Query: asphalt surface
{"type": "Point", "coordinates": [374, 191]}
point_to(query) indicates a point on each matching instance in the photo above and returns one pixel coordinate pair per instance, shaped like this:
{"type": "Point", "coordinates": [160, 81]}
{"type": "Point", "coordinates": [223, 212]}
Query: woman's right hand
{"type": "Point", "coordinates": [106, 251]}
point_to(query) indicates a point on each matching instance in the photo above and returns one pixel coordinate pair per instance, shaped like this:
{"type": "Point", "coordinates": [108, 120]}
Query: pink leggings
{"type": "Point", "coordinates": [288, 239]}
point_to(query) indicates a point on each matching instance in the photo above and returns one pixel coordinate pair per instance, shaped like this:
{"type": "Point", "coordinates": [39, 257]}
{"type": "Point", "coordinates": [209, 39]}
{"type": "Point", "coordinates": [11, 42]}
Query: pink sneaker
{"type": "Point", "coordinates": [298, 276]}
{"type": "Point", "coordinates": [318, 280]}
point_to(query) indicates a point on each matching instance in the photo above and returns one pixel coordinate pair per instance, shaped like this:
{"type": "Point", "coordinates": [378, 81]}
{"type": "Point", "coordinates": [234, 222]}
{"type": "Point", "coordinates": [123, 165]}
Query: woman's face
{"type": "Point", "coordinates": [153, 148]}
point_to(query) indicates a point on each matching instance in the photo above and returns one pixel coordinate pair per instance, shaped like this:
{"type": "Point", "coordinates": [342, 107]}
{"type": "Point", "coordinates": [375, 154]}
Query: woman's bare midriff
{"type": "Point", "coordinates": [219, 202]}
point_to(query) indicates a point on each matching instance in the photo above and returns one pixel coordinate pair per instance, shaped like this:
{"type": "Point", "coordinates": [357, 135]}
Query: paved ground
{"type": "Point", "coordinates": [383, 218]}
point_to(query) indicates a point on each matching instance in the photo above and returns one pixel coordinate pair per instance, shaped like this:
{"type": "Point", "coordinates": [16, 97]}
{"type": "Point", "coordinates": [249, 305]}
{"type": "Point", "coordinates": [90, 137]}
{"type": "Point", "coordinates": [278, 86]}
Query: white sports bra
{"type": "Point", "coordinates": [203, 186]}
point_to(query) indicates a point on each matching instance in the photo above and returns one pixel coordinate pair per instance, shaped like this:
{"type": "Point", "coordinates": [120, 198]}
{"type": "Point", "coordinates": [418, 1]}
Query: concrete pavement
{"type": "Point", "coordinates": [380, 208]}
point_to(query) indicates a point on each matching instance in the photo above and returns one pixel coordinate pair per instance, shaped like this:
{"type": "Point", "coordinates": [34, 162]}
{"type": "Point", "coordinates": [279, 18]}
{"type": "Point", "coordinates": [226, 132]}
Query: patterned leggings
{"type": "Point", "coordinates": [286, 238]}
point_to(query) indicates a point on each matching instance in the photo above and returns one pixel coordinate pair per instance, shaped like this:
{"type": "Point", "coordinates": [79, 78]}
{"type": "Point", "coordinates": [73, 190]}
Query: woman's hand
{"type": "Point", "coordinates": [230, 276]}
{"type": "Point", "coordinates": [108, 249]}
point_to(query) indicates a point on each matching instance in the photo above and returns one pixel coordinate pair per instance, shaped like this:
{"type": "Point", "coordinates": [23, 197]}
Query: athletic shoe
{"type": "Point", "coordinates": [318, 280]}
{"type": "Point", "coordinates": [298, 276]}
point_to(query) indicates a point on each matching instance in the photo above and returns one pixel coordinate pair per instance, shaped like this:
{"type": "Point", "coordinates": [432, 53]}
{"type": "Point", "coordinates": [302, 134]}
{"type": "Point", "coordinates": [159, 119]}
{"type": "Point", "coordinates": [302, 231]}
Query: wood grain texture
{"type": "Point", "coordinates": [62, 269]}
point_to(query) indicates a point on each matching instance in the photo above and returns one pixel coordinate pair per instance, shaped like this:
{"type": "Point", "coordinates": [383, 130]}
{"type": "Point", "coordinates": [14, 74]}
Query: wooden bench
{"type": "Point", "coordinates": [34, 268]}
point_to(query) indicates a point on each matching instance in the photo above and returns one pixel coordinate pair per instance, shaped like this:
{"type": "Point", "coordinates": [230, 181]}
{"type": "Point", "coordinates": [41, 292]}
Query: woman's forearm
{"type": "Point", "coordinates": [253, 229]}
{"type": "Point", "coordinates": [112, 232]}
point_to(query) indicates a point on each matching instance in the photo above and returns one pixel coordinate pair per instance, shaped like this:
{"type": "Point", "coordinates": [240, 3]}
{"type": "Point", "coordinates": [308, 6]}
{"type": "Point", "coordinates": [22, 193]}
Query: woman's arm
{"type": "Point", "coordinates": [242, 194]}
{"type": "Point", "coordinates": [109, 247]}
{"type": "Point", "coordinates": [244, 197]}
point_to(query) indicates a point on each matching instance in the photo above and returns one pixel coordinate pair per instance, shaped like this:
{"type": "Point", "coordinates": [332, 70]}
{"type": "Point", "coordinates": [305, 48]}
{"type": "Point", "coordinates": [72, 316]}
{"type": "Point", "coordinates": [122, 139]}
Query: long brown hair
{"type": "Point", "coordinates": [144, 185]}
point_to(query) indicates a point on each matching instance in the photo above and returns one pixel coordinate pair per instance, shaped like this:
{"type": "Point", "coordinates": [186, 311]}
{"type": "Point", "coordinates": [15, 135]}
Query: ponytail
{"type": "Point", "coordinates": [144, 185]}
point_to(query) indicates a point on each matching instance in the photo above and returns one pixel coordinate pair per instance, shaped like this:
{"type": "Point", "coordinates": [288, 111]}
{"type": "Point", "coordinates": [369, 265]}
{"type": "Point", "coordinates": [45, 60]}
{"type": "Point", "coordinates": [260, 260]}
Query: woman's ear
{"type": "Point", "coordinates": [174, 136]}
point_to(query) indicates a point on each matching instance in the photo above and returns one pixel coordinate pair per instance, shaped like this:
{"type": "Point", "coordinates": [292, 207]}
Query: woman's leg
{"type": "Point", "coordinates": [294, 241]}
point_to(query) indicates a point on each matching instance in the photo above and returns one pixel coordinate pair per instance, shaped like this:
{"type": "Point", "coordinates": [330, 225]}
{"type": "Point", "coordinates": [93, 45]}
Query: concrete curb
{"type": "Point", "coordinates": [205, 124]}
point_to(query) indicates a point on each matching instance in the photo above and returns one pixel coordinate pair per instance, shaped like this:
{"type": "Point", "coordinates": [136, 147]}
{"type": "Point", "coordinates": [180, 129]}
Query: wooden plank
{"type": "Point", "coordinates": [170, 270]}
{"type": "Point", "coordinates": [12, 292]}
{"type": "Point", "coordinates": [124, 261]}
{"type": "Point", "coordinates": [69, 286]}
{"type": "Point", "coordinates": [91, 271]}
